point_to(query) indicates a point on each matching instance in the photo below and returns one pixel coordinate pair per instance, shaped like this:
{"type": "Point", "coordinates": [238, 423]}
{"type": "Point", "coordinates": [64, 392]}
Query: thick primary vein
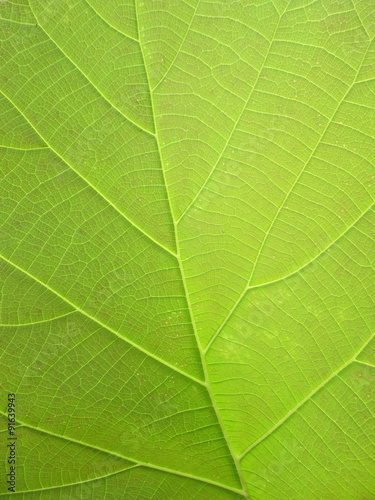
{"type": "Point", "coordinates": [207, 380]}
{"type": "Point", "coordinates": [201, 353]}
{"type": "Point", "coordinates": [119, 455]}
{"type": "Point", "coordinates": [78, 483]}
{"type": "Point", "coordinates": [155, 124]}
{"type": "Point", "coordinates": [309, 396]}
{"type": "Point", "coordinates": [89, 183]}
{"type": "Point", "coordinates": [103, 325]}
{"type": "Point", "coordinates": [235, 125]}
{"type": "Point", "coordinates": [248, 285]}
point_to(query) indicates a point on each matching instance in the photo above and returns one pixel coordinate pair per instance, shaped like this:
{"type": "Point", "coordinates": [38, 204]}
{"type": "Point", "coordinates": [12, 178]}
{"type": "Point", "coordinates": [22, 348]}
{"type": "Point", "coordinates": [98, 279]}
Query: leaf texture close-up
{"type": "Point", "coordinates": [187, 249]}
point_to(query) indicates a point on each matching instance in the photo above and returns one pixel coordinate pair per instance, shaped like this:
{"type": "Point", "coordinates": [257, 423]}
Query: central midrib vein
{"type": "Point", "coordinates": [178, 256]}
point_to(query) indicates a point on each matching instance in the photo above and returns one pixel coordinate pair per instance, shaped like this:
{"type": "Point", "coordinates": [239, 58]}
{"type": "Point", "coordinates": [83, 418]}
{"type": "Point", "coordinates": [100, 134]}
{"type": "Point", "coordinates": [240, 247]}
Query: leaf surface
{"type": "Point", "coordinates": [187, 248]}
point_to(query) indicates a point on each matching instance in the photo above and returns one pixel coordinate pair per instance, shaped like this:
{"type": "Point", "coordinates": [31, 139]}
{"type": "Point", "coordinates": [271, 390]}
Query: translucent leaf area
{"type": "Point", "coordinates": [187, 254]}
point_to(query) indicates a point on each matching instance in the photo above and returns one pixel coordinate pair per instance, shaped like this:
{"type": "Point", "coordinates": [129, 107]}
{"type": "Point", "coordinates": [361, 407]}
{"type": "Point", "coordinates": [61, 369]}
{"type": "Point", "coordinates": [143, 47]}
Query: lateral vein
{"type": "Point", "coordinates": [119, 455]}
{"type": "Point", "coordinates": [266, 283]}
{"type": "Point", "coordinates": [89, 183]}
{"type": "Point", "coordinates": [309, 396]}
{"type": "Point", "coordinates": [103, 325]}
{"type": "Point", "coordinates": [78, 483]}
{"type": "Point", "coordinates": [248, 285]}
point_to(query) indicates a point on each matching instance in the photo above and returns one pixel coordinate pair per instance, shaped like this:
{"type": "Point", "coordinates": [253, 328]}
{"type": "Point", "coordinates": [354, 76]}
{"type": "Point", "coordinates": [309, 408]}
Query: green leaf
{"type": "Point", "coordinates": [187, 248]}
